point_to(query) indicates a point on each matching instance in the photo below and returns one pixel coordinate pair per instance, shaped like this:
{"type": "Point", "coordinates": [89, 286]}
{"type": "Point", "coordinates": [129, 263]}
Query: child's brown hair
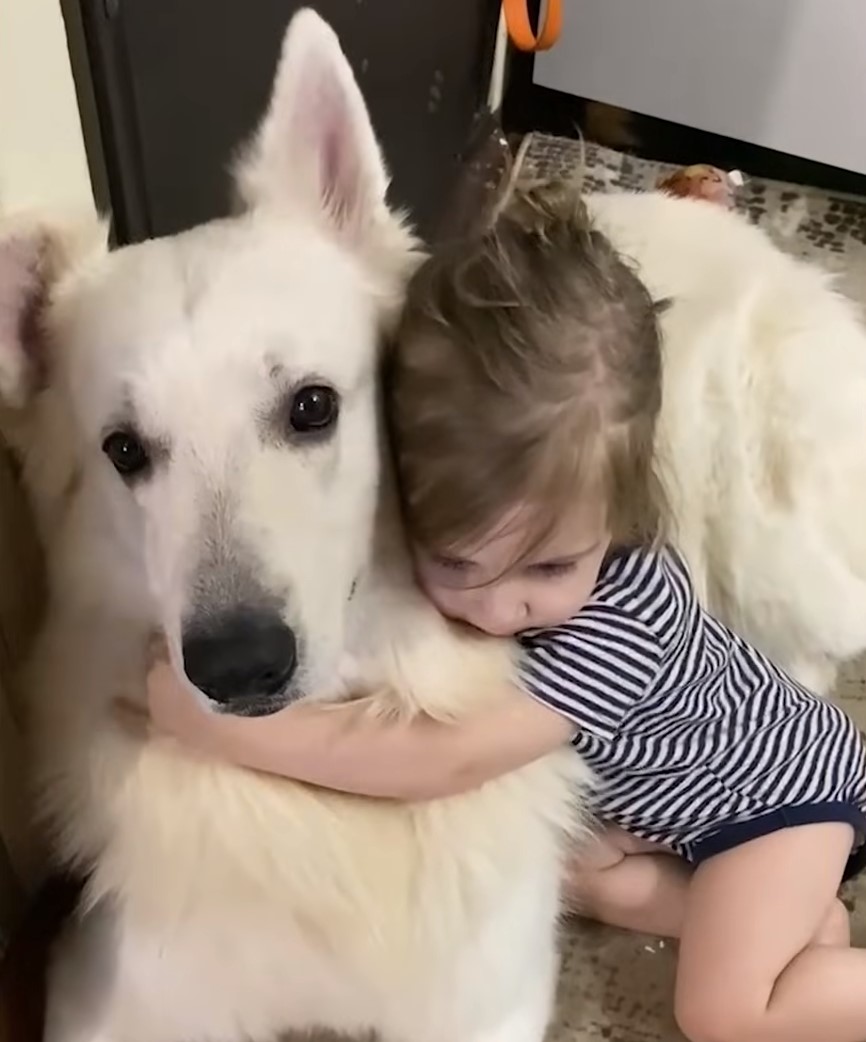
{"type": "Point", "coordinates": [527, 370]}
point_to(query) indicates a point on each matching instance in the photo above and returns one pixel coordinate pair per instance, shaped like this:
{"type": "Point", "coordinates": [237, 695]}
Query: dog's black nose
{"type": "Point", "coordinates": [241, 659]}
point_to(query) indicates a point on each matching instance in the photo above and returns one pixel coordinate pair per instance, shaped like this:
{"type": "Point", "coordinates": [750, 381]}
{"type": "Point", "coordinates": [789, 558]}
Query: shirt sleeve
{"type": "Point", "coordinates": [594, 669]}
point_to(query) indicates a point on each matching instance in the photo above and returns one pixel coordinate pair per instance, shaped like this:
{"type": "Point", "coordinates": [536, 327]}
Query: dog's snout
{"type": "Point", "coordinates": [241, 659]}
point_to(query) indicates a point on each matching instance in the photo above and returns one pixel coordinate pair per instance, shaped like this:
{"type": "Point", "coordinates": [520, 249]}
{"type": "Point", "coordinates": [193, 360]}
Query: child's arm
{"type": "Point", "coordinates": [344, 748]}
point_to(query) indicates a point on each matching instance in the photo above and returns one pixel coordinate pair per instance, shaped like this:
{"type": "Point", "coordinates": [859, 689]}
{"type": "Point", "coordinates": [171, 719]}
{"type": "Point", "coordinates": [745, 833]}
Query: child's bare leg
{"type": "Point", "coordinates": [835, 930]}
{"type": "Point", "coordinates": [757, 962]}
{"type": "Point", "coordinates": [626, 882]}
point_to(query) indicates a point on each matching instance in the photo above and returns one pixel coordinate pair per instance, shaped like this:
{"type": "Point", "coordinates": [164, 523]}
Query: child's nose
{"type": "Point", "coordinates": [503, 616]}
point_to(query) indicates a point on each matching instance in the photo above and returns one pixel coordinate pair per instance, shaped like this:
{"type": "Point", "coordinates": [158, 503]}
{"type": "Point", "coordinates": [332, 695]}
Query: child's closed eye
{"type": "Point", "coordinates": [452, 564]}
{"type": "Point", "coordinates": [552, 569]}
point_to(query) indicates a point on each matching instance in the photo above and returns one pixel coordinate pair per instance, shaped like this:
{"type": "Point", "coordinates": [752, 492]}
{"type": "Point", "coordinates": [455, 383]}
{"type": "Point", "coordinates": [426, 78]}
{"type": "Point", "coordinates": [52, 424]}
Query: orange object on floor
{"type": "Point", "coordinates": [701, 181]}
{"type": "Point", "coordinates": [520, 28]}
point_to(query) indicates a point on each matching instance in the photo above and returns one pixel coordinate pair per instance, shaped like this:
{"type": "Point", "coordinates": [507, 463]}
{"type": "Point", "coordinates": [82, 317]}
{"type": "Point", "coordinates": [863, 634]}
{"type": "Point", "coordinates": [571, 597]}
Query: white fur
{"type": "Point", "coordinates": [763, 433]}
{"type": "Point", "coordinates": [223, 905]}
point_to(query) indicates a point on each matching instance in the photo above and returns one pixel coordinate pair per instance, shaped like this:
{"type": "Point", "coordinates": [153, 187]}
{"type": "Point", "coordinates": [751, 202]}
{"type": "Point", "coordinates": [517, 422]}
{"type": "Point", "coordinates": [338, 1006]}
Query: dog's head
{"type": "Point", "coordinates": [209, 401]}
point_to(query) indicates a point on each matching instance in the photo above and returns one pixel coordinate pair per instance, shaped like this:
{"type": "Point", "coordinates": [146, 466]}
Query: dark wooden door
{"type": "Point", "coordinates": [168, 88]}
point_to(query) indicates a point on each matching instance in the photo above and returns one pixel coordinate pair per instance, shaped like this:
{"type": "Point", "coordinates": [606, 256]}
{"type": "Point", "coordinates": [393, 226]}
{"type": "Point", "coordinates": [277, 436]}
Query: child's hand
{"type": "Point", "coordinates": [173, 707]}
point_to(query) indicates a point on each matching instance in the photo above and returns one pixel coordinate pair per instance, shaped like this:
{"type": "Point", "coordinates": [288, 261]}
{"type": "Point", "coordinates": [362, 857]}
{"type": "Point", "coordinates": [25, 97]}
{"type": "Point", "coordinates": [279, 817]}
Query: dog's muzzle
{"type": "Point", "coordinates": [243, 660]}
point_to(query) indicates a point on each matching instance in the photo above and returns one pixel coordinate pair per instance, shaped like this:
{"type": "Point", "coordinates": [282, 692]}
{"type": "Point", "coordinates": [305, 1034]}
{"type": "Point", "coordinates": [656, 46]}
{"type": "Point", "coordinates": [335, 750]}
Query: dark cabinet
{"type": "Point", "coordinates": [168, 88]}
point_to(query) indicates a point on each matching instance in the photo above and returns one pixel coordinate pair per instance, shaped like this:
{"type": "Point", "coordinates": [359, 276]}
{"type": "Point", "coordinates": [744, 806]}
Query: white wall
{"type": "Point", "coordinates": [42, 160]}
{"type": "Point", "coordinates": [787, 74]}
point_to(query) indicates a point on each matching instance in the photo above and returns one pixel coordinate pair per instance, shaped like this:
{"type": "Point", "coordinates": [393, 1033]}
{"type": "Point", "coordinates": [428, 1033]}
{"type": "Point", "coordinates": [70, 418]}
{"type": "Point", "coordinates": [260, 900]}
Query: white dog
{"type": "Point", "coordinates": [201, 442]}
{"type": "Point", "coordinates": [763, 428]}
{"type": "Point", "coordinates": [198, 424]}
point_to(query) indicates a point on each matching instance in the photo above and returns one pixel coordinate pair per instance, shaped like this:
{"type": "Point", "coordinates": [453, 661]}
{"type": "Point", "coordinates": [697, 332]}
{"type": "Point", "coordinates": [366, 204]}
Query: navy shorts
{"type": "Point", "coordinates": [730, 836]}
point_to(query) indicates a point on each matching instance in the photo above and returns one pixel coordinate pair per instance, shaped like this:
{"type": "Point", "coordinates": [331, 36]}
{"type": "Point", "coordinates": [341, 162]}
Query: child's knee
{"type": "Point", "coordinates": [835, 930]}
{"type": "Point", "coordinates": [716, 1011]}
{"type": "Point", "coordinates": [583, 889]}
{"type": "Point", "coordinates": [709, 1018]}
{"type": "Point", "coordinates": [597, 854]}
{"type": "Point", "coordinates": [587, 876]}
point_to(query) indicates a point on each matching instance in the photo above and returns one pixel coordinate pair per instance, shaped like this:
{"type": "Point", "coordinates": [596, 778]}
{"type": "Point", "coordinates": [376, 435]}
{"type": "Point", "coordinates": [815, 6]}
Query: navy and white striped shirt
{"type": "Point", "coordinates": [687, 728]}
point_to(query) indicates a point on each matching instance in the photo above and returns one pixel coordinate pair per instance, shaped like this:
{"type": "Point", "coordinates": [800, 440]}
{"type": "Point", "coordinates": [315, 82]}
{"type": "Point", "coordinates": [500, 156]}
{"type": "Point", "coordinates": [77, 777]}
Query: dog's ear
{"type": "Point", "coordinates": [22, 292]}
{"type": "Point", "coordinates": [34, 255]}
{"type": "Point", "coordinates": [315, 151]}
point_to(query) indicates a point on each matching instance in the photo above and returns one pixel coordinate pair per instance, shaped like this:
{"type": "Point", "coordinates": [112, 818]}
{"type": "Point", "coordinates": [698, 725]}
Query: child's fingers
{"type": "Point", "coordinates": [132, 716]}
{"type": "Point", "coordinates": [171, 700]}
{"type": "Point", "coordinates": [157, 649]}
{"type": "Point", "coordinates": [164, 687]}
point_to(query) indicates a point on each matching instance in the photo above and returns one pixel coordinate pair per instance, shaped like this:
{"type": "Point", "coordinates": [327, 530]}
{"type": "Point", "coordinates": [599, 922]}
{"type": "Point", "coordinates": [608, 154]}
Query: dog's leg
{"type": "Point", "coordinates": [509, 980]}
{"type": "Point", "coordinates": [523, 1019]}
{"type": "Point", "coordinates": [505, 983]}
{"type": "Point", "coordinates": [528, 1018]}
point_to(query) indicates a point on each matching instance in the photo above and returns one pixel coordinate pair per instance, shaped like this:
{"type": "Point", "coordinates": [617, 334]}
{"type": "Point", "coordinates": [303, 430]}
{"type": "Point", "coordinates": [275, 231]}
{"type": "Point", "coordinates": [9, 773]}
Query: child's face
{"type": "Point", "coordinates": [482, 585]}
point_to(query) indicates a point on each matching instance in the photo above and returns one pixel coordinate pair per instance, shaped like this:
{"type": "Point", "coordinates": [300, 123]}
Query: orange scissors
{"type": "Point", "coordinates": [520, 28]}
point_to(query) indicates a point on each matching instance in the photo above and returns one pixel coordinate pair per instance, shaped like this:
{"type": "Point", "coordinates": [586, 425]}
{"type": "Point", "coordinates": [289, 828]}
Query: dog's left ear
{"type": "Point", "coordinates": [315, 151]}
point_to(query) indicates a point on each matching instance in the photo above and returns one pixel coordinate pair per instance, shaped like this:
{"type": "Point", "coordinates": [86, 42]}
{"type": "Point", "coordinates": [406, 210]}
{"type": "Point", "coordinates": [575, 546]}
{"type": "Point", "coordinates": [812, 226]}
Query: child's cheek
{"type": "Point", "coordinates": [451, 602]}
{"type": "Point", "coordinates": [448, 602]}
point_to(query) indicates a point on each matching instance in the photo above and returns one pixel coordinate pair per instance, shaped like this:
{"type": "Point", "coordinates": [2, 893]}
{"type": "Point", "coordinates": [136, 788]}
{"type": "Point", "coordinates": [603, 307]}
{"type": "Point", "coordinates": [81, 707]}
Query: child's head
{"type": "Point", "coordinates": [524, 391]}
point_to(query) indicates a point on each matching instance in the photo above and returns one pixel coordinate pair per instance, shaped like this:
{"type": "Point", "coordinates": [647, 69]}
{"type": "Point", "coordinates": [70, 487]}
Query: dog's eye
{"type": "Point", "coordinates": [313, 408]}
{"type": "Point", "coordinates": [126, 452]}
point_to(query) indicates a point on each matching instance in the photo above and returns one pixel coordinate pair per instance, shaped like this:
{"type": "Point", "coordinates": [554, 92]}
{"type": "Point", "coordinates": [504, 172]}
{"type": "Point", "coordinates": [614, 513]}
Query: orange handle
{"type": "Point", "coordinates": [520, 30]}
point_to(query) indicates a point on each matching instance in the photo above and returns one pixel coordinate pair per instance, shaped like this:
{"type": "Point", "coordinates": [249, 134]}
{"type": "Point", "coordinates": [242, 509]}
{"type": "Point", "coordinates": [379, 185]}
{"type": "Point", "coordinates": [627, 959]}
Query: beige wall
{"type": "Point", "coordinates": [42, 160]}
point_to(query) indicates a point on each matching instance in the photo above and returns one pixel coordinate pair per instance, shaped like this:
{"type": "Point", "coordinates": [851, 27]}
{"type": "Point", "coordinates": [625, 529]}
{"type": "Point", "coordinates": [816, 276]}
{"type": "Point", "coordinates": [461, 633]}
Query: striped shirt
{"type": "Point", "coordinates": [687, 728]}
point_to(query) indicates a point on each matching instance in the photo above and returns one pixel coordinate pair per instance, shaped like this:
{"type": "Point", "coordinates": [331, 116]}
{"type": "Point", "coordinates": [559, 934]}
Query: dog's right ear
{"type": "Point", "coordinates": [34, 255]}
{"type": "Point", "coordinates": [315, 152]}
{"type": "Point", "coordinates": [22, 293]}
